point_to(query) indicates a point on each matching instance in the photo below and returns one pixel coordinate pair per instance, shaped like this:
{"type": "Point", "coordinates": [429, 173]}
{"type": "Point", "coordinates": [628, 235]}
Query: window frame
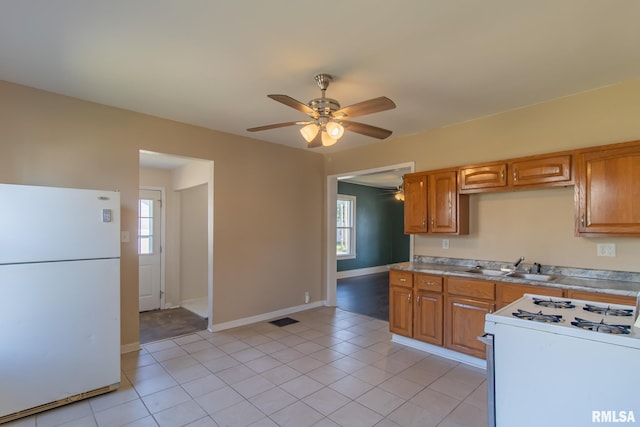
{"type": "Point", "coordinates": [352, 227]}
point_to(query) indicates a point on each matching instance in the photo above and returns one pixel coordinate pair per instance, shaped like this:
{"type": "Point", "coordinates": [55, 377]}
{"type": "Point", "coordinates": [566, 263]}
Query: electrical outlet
{"type": "Point", "coordinates": [445, 243]}
{"type": "Point", "coordinates": [606, 249]}
{"type": "Point", "coordinates": [306, 297]}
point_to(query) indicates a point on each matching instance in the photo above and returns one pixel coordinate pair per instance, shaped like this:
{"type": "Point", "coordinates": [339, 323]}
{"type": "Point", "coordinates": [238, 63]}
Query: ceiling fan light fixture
{"type": "Point", "coordinates": [335, 130]}
{"type": "Point", "coordinates": [327, 141]}
{"type": "Point", "coordinates": [310, 131]}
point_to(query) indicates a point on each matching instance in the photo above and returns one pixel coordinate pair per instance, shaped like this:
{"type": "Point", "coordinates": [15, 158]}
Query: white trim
{"type": "Point", "coordinates": [440, 351]}
{"type": "Point", "coordinates": [128, 348]}
{"type": "Point", "coordinates": [353, 214]}
{"type": "Point", "coordinates": [361, 271]}
{"type": "Point", "coordinates": [331, 201]}
{"type": "Point", "coordinates": [266, 316]}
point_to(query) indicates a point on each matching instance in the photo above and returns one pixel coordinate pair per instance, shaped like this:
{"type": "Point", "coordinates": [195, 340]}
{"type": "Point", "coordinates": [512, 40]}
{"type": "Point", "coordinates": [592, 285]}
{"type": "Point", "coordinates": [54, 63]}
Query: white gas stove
{"type": "Point", "coordinates": [563, 362]}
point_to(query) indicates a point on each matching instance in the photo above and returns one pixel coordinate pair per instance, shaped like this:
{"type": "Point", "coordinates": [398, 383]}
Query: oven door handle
{"type": "Point", "coordinates": [487, 339]}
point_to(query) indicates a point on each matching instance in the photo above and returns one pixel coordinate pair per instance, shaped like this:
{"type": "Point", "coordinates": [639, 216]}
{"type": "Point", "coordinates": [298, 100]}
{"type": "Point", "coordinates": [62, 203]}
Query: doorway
{"type": "Point", "coordinates": [149, 250]}
{"type": "Point", "coordinates": [331, 226]}
{"type": "Point", "coordinates": [175, 177]}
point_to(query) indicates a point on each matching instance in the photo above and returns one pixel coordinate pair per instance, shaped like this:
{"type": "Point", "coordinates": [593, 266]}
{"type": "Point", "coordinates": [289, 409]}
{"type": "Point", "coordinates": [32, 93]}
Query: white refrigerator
{"type": "Point", "coordinates": [59, 296]}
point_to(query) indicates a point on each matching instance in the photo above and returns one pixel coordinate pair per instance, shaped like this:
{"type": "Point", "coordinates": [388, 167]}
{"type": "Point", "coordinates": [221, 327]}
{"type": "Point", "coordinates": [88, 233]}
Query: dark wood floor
{"type": "Point", "coordinates": [368, 295]}
{"type": "Point", "coordinates": [161, 324]}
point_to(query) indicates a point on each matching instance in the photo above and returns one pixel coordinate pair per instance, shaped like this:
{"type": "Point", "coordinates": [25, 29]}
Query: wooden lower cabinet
{"type": "Point", "coordinates": [416, 312]}
{"type": "Point", "coordinates": [464, 323]}
{"type": "Point", "coordinates": [466, 303]}
{"type": "Point", "coordinates": [401, 310]}
{"type": "Point", "coordinates": [600, 297]}
{"type": "Point", "coordinates": [427, 319]}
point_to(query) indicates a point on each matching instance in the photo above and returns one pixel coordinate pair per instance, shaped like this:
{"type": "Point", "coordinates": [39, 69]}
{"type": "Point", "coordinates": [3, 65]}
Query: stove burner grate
{"type": "Point", "coordinates": [602, 327]}
{"type": "Point", "coordinates": [538, 317]}
{"type": "Point", "coordinates": [608, 311]}
{"type": "Point", "coordinates": [550, 303]}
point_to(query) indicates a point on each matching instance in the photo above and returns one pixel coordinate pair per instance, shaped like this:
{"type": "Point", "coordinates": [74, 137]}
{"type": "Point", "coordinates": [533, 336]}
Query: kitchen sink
{"type": "Point", "coordinates": [486, 272]}
{"type": "Point", "coordinates": [531, 276]}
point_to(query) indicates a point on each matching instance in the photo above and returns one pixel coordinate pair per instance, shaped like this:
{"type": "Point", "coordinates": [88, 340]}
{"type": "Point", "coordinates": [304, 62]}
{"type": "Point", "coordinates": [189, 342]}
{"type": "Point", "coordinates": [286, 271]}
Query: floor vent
{"type": "Point", "coordinates": [284, 321]}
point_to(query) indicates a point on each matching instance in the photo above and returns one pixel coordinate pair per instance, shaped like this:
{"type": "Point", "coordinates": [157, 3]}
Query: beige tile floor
{"type": "Point", "coordinates": [333, 368]}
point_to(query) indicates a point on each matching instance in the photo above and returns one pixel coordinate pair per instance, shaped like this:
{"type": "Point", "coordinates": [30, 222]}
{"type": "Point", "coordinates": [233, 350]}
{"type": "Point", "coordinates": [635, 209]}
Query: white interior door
{"type": "Point", "coordinates": [149, 248]}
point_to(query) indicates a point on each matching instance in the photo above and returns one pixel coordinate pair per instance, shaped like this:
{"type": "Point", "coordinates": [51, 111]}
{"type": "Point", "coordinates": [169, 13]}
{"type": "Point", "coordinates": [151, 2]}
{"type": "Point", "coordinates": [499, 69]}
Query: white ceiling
{"type": "Point", "coordinates": [212, 63]}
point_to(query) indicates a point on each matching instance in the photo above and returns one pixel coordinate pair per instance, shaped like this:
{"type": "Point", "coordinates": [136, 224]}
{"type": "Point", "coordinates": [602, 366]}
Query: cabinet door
{"type": "Point", "coordinates": [400, 311]}
{"type": "Point", "coordinates": [476, 178]}
{"type": "Point", "coordinates": [464, 323]}
{"type": "Point", "coordinates": [428, 317]}
{"type": "Point", "coordinates": [541, 171]}
{"type": "Point", "coordinates": [599, 297]}
{"type": "Point", "coordinates": [443, 198]}
{"type": "Point", "coordinates": [608, 192]}
{"type": "Point", "coordinates": [415, 204]}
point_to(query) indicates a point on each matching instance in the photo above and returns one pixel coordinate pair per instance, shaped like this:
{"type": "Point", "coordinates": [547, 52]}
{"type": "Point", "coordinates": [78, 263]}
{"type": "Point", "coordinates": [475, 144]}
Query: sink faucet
{"type": "Point", "coordinates": [517, 263]}
{"type": "Point", "coordinates": [514, 267]}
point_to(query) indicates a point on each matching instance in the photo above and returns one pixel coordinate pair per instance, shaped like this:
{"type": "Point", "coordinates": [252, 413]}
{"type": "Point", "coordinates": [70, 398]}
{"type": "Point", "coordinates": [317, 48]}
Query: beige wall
{"type": "Point", "coordinates": [536, 224]}
{"type": "Point", "coordinates": [268, 203]}
{"type": "Point", "coordinates": [193, 243]}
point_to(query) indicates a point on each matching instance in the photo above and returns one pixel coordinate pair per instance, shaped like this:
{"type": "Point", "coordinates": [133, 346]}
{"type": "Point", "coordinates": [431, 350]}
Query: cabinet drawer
{"type": "Point", "coordinates": [400, 278]}
{"type": "Point", "coordinates": [508, 293]}
{"type": "Point", "coordinates": [600, 297]}
{"type": "Point", "coordinates": [471, 288]}
{"type": "Point", "coordinates": [428, 282]}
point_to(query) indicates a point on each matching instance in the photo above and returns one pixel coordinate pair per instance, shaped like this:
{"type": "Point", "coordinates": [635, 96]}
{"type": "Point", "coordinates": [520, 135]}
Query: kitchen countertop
{"type": "Point", "coordinates": [603, 281]}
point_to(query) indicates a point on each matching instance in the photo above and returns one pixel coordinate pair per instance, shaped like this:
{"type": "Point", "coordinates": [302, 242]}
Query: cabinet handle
{"type": "Point", "coordinates": [502, 175]}
{"type": "Point", "coordinates": [430, 283]}
{"type": "Point", "coordinates": [432, 222]}
{"type": "Point", "coordinates": [582, 220]}
{"type": "Point", "coordinates": [515, 175]}
{"type": "Point", "coordinates": [402, 279]}
{"type": "Point", "coordinates": [418, 299]}
{"type": "Point", "coordinates": [409, 297]}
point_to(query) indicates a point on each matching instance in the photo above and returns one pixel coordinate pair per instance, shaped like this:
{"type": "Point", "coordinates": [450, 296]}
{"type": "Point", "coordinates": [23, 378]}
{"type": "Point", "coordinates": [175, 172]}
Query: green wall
{"type": "Point", "coordinates": [380, 238]}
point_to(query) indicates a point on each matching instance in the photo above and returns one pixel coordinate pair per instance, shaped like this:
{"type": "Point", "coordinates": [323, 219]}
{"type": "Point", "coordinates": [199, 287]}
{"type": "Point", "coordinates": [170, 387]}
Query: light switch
{"type": "Point", "coordinates": [124, 237]}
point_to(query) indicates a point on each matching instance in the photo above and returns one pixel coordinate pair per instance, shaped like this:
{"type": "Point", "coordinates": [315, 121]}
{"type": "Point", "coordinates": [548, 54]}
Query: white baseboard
{"type": "Point", "coordinates": [440, 351]}
{"type": "Point", "coordinates": [361, 271]}
{"type": "Point", "coordinates": [128, 348]}
{"type": "Point", "coordinates": [266, 316]}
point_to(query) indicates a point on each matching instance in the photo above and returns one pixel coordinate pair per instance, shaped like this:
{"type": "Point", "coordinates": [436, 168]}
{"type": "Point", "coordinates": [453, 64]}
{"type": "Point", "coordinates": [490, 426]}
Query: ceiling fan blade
{"type": "Point", "coordinates": [289, 101]}
{"type": "Point", "coordinates": [316, 142]}
{"type": "Point", "coordinates": [365, 107]}
{"type": "Point", "coordinates": [274, 126]}
{"type": "Point", "coordinates": [368, 130]}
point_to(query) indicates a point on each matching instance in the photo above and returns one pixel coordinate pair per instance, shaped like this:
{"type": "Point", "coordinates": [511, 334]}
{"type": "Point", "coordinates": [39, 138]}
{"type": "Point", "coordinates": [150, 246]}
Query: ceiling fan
{"type": "Point", "coordinates": [328, 120]}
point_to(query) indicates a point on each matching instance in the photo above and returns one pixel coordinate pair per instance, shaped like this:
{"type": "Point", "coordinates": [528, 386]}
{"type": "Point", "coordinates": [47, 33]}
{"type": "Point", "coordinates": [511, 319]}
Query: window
{"type": "Point", "coordinates": [346, 227]}
{"type": "Point", "coordinates": [145, 227]}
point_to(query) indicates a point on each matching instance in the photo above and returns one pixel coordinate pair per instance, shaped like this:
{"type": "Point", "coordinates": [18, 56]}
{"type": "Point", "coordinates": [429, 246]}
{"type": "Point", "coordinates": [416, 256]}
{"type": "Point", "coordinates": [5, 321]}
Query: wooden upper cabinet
{"type": "Point", "coordinates": [541, 171]}
{"type": "Point", "coordinates": [608, 191]}
{"type": "Point", "coordinates": [443, 202]}
{"type": "Point", "coordinates": [432, 204]}
{"type": "Point", "coordinates": [525, 172]}
{"type": "Point", "coordinates": [491, 175]}
{"type": "Point", "coordinates": [415, 203]}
